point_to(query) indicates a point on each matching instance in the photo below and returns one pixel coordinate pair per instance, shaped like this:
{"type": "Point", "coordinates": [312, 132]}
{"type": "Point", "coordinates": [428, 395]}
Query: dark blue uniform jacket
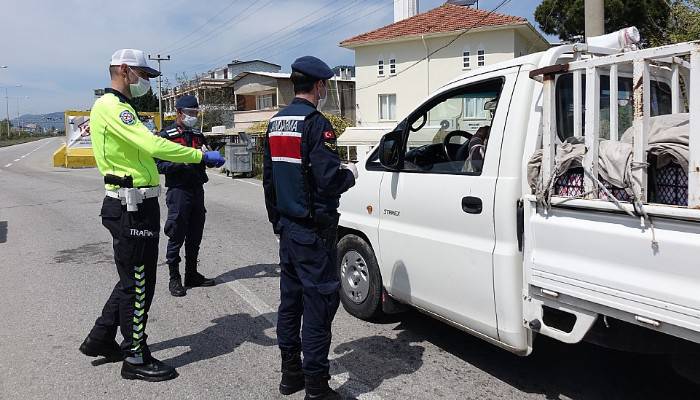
{"type": "Point", "coordinates": [178, 174]}
{"type": "Point", "coordinates": [301, 168]}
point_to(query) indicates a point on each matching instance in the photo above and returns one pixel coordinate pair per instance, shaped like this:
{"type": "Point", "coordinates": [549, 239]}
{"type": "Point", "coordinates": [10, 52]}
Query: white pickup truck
{"type": "Point", "coordinates": [520, 227]}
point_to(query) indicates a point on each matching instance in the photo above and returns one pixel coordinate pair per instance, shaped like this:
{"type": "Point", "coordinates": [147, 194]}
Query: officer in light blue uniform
{"type": "Point", "coordinates": [303, 180]}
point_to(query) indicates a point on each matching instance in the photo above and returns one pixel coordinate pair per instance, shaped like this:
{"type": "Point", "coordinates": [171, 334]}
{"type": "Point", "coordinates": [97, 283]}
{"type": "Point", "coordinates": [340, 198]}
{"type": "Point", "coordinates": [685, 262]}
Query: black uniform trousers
{"type": "Point", "coordinates": [135, 242]}
{"type": "Point", "coordinates": [309, 287]}
{"type": "Point", "coordinates": [184, 225]}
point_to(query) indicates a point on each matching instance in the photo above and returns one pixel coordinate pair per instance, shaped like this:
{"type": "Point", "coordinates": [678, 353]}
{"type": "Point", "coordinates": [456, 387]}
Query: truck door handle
{"type": "Point", "coordinates": [472, 205]}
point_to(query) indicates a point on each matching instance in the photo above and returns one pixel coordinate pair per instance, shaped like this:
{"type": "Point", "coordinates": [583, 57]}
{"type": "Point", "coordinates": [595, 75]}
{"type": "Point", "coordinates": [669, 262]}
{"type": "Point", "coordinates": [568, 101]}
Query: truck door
{"type": "Point", "coordinates": [436, 227]}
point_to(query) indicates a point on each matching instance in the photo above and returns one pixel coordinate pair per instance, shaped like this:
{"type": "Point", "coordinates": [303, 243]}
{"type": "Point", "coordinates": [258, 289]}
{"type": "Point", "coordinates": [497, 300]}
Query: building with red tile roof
{"type": "Point", "coordinates": [400, 64]}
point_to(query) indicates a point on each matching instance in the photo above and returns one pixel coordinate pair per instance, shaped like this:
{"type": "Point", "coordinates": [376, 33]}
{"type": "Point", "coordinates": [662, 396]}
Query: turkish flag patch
{"type": "Point", "coordinates": [329, 135]}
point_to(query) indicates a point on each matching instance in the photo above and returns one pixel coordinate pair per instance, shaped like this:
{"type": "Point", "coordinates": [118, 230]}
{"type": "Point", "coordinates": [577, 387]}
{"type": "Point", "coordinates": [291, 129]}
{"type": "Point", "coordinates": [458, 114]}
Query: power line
{"type": "Point", "coordinates": [213, 17]}
{"type": "Point", "coordinates": [335, 28]}
{"type": "Point", "coordinates": [274, 42]}
{"type": "Point", "coordinates": [213, 30]}
{"type": "Point", "coordinates": [504, 2]}
{"type": "Point", "coordinates": [217, 31]}
{"type": "Point", "coordinates": [372, 11]}
{"type": "Point", "coordinates": [349, 9]}
{"type": "Point", "coordinates": [273, 34]}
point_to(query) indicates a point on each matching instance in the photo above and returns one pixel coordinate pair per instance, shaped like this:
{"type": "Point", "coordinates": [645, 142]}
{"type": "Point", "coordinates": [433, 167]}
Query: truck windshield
{"type": "Point", "coordinates": [660, 103]}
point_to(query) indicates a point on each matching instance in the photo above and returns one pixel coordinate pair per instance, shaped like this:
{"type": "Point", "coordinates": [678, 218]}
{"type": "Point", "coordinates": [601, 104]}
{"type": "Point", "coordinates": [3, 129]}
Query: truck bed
{"type": "Point", "coordinates": [605, 262]}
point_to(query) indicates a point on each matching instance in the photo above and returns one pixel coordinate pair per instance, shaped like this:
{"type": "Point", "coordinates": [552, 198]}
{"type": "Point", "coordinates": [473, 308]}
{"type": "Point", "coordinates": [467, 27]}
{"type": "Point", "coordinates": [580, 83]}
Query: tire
{"type": "Point", "coordinates": [360, 278]}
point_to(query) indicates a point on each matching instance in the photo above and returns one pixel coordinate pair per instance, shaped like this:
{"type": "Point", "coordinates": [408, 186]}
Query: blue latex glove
{"type": "Point", "coordinates": [213, 159]}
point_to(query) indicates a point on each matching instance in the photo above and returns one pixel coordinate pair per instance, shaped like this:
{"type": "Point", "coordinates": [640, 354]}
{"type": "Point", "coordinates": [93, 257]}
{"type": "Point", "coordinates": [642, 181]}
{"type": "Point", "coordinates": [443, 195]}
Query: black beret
{"type": "Point", "coordinates": [313, 67]}
{"type": "Point", "coordinates": [188, 101]}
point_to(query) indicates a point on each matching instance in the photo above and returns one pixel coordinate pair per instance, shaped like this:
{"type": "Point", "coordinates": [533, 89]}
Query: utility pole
{"type": "Point", "coordinates": [595, 18]}
{"type": "Point", "coordinates": [19, 121]}
{"type": "Point", "coordinates": [7, 105]}
{"type": "Point", "coordinates": [158, 58]}
{"type": "Point", "coordinates": [7, 108]}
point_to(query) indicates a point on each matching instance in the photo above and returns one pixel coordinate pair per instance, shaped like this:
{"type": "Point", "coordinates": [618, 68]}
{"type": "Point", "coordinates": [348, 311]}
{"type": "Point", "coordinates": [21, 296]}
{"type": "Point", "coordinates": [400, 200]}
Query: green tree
{"type": "Point", "coordinates": [3, 128]}
{"type": "Point", "coordinates": [566, 18]}
{"type": "Point", "coordinates": [685, 21]}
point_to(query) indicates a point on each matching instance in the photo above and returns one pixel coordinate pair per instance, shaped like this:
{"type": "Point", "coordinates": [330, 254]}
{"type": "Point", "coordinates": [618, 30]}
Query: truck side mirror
{"type": "Point", "coordinates": [390, 150]}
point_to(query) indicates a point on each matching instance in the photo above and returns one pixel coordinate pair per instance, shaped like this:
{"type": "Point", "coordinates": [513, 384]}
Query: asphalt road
{"type": "Point", "coordinates": [56, 271]}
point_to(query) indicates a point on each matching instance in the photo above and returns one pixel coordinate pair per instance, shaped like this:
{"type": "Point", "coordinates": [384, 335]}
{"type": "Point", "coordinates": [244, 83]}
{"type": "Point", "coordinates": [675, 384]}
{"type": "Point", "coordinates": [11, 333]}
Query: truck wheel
{"type": "Point", "coordinates": [360, 279]}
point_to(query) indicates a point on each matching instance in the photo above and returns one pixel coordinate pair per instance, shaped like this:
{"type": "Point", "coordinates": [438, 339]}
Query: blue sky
{"type": "Point", "coordinates": [59, 50]}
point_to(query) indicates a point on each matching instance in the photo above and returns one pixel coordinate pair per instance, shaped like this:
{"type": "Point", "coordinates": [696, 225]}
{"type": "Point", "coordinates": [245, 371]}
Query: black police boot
{"type": "Point", "coordinates": [176, 288]}
{"type": "Point", "coordinates": [292, 375]}
{"type": "Point", "coordinates": [195, 279]}
{"type": "Point", "coordinates": [95, 348]}
{"type": "Point", "coordinates": [151, 370]}
{"type": "Point", "coordinates": [317, 388]}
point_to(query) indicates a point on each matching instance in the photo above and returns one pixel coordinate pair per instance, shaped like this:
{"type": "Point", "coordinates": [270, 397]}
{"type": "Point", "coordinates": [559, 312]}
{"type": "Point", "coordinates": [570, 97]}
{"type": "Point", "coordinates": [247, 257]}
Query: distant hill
{"type": "Point", "coordinates": [46, 121]}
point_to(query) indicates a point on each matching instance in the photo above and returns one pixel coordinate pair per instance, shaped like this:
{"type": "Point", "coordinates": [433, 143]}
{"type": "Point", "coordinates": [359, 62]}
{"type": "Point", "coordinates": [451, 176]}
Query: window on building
{"type": "Point", "coordinates": [265, 101]}
{"type": "Point", "coordinates": [392, 66]}
{"type": "Point", "coordinates": [466, 64]}
{"type": "Point", "coordinates": [380, 67]}
{"type": "Point", "coordinates": [481, 58]}
{"type": "Point", "coordinates": [387, 107]}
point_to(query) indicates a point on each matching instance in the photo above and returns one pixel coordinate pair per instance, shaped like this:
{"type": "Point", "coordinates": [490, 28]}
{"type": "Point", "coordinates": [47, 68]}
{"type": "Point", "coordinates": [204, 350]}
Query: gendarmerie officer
{"type": "Point", "coordinates": [185, 199]}
{"type": "Point", "coordinates": [303, 180]}
{"type": "Point", "coordinates": [124, 150]}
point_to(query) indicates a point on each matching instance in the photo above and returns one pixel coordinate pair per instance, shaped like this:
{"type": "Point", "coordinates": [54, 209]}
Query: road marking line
{"type": "Point", "coordinates": [254, 301]}
{"type": "Point", "coordinates": [341, 377]}
{"type": "Point", "coordinates": [8, 165]}
{"type": "Point", "coordinates": [17, 160]}
{"type": "Point", "coordinates": [251, 183]}
{"type": "Point", "coordinates": [237, 180]}
{"type": "Point", "coordinates": [221, 176]}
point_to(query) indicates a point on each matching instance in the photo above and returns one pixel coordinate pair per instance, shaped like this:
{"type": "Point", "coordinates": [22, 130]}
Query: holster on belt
{"type": "Point", "coordinates": [129, 196]}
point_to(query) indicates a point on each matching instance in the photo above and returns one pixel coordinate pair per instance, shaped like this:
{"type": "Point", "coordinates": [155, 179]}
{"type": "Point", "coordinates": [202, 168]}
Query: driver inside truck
{"type": "Point", "coordinates": [476, 149]}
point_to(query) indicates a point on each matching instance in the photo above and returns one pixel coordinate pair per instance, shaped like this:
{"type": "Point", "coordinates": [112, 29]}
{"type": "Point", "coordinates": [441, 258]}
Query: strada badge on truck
{"type": "Point", "coordinates": [392, 213]}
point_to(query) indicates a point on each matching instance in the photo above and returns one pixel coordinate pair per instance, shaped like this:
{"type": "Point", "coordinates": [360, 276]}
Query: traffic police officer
{"type": "Point", "coordinates": [303, 180]}
{"type": "Point", "coordinates": [185, 199]}
{"type": "Point", "coordinates": [124, 149]}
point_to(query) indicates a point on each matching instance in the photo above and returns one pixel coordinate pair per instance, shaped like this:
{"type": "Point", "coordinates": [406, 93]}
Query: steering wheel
{"type": "Point", "coordinates": [449, 137]}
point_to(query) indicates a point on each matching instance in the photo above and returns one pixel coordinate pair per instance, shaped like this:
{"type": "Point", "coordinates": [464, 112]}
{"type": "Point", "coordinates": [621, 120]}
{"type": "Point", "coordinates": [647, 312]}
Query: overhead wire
{"type": "Point", "coordinates": [217, 29]}
{"type": "Point", "coordinates": [335, 28]}
{"type": "Point", "coordinates": [272, 42]}
{"type": "Point", "coordinates": [270, 37]}
{"type": "Point", "coordinates": [199, 28]}
{"type": "Point", "coordinates": [303, 33]}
